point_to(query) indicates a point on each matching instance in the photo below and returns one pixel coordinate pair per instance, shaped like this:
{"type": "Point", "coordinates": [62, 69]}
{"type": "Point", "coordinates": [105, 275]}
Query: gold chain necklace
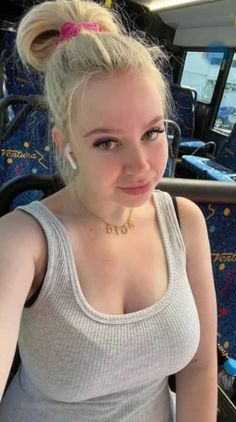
{"type": "Point", "coordinates": [112, 228]}
{"type": "Point", "coordinates": [115, 228]}
{"type": "Point", "coordinates": [123, 229]}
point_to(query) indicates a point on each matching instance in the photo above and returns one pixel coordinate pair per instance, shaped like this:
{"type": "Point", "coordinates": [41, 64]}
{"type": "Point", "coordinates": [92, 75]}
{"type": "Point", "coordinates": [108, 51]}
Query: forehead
{"type": "Point", "coordinates": [120, 97]}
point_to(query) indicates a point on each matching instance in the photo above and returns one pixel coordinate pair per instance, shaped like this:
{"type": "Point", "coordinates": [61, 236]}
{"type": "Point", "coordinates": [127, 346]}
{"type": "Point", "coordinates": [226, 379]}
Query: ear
{"type": "Point", "coordinates": [58, 138]}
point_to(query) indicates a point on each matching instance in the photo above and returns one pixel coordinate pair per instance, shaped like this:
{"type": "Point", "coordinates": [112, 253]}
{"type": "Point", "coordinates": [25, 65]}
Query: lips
{"type": "Point", "coordinates": [137, 190]}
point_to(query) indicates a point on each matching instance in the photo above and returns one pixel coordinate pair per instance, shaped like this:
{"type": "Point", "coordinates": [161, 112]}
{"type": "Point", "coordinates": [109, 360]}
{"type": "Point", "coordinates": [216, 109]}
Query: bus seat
{"type": "Point", "coordinates": [222, 167]}
{"type": "Point", "coordinates": [218, 203]}
{"type": "Point", "coordinates": [220, 220]}
{"type": "Point", "coordinates": [173, 137]}
{"type": "Point", "coordinates": [25, 147]}
{"type": "Point", "coordinates": [19, 79]}
{"type": "Point", "coordinates": [185, 101]}
{"type": "Point", "coordinates": [25, 143]}
{"type": "Point", "coordinates": [46, 184]}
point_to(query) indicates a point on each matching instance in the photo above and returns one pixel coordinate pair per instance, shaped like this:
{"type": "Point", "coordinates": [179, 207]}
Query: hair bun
{"type": "Point", "coordinates": [39, 30]}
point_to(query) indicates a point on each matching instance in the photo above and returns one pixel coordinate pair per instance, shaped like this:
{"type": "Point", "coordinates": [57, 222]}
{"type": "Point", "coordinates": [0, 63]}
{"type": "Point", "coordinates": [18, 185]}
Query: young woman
{"type": "Point", "coordinates": [104, 293]}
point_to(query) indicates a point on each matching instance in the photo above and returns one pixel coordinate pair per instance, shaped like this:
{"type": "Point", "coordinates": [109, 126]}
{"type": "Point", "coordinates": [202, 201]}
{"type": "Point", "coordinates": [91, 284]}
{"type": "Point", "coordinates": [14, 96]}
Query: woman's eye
{"type": "Point", "coordinates": [152, 134]}
{"type": "Point", "coordinates": [106, 144]}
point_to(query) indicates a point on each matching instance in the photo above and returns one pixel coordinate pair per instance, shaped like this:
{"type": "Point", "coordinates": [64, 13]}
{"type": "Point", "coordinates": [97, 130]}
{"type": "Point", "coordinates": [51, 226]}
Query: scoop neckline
{"type": "Point", "coordinates": [92, 313]}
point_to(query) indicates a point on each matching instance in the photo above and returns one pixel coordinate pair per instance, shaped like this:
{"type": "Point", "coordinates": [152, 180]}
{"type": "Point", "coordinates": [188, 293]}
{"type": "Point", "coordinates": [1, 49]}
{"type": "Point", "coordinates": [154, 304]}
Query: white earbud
{"type": "Point", "coordinates": [67, 153]}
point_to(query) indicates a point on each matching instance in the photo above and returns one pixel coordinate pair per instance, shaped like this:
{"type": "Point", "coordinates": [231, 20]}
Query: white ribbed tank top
{"type": "Point", "coordinates": [79, 365]}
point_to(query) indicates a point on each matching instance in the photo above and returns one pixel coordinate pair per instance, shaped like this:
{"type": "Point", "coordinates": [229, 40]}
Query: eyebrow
{"type": "Point", "coordinates": [109, 130]}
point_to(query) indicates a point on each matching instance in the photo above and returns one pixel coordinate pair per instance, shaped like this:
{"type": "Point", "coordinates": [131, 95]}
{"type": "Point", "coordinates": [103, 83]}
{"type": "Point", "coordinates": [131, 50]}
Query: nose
{"type": "Point", "coordinates": [136, 160]}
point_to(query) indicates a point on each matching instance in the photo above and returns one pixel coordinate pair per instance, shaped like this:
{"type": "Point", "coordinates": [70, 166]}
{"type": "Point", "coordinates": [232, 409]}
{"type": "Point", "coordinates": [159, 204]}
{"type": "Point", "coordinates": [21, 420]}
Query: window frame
{"type": "Point", "coordinates": [220, 84]}
{"type": "Point", "coordinates": [203, 50]}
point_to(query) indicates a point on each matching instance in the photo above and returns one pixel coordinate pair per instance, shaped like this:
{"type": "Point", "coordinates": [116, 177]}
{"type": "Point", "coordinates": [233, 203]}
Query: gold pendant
{"type": "Point", "coordinates": [120, 229]}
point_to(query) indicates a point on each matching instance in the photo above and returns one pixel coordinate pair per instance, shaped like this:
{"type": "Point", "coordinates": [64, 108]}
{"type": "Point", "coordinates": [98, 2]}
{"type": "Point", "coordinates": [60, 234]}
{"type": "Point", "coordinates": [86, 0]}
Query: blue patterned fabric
{"type": "Point", "coordinates": [27, 150]}
{"type": "Point", "coordinates": [184, 104]}
{"type": "Point", "coordinates": [19, 79]}
{"type": "Point", "coordinates": [221, 225]}
{"type": "Point", "coordinates": [222, 168]}
{"type": "Point", "coordinates": [185, 101]}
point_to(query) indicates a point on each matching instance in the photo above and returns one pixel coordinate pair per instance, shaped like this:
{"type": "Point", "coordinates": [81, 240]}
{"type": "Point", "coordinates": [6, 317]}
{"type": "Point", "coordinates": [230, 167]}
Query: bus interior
{"type": "Point", "coordinates": [199, 37]}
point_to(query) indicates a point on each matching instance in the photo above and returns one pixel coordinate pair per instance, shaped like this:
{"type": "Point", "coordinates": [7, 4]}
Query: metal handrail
{"type": "Point", "coordinates": [28, 103]}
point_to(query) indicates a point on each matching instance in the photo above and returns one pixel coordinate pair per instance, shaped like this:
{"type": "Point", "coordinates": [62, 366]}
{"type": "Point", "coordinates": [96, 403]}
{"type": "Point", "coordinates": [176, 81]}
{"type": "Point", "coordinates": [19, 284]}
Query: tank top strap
{"type": "Point", "coordinates": [55, 234]}
{"type": "Point", "coordinates": [51, 226]}
{"type": "Point", "coordinates": [168, 220]}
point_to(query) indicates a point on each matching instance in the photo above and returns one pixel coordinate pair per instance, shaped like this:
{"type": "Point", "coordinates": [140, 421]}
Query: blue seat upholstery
{"type": "Point", "coordinates": [220, 220]}
{"type": "Point", "coordinates": [27, 149]}
{"type": "Point", "coordinates": [185, 101]}
{"type": "Point", "coordinates": [19, 79]}
{"type": "Point", "coordinates": [222, 167]}
{"type": "Point", "coordinates": [218, 203]}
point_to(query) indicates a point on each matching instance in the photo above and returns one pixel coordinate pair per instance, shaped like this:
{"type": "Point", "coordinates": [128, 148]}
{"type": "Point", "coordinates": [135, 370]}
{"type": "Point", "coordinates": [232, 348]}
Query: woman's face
{"type": "Point", "coordinates": [122, 148]}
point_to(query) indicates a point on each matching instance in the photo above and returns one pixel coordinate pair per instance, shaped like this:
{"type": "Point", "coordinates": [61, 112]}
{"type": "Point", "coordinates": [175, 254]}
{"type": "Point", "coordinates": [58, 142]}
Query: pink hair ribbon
{"type": "Point", "coordinates": [73, 29]}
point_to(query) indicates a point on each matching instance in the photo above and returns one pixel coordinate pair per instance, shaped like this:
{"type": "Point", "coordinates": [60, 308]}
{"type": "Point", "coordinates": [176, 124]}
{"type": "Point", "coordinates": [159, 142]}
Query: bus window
{"type": "Point", "coordinates": [201, 69]}
{"type": "Point", "coordinates": [226, 116]}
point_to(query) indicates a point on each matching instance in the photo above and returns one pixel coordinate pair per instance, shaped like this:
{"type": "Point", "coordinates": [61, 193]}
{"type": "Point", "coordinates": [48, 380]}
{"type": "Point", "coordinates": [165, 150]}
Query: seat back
{"type": "Point", "coordinates": [217, 201]}
{"type": "Point", "coordinates": [221, 224]}
{"type": "Point", "coordinates": [25, 148]}
{"type": "Point", "coordinates": [19, 79]}
{"type": "Point", "coordinates": [227, 154]}
{"type": "Point", "coordinates": [44, 184]}
{"type": "Point", "coordinates": [184, 101]}
{"type": "Point", "coordinates": [173, 137]}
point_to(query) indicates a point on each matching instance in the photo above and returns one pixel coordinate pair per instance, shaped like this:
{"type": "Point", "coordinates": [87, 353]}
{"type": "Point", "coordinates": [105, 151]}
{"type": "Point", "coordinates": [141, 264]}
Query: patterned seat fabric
{"type": "Point", "coordinates": [185, 101]}
{"type": "Point", "coordinates": [27, 150]}
{"type": "Point", "coordinates": [222, 168]}
{"type": "Point", "coordinates": [221, 225]}
{"type": "Point", "coordinates": [19, 79]}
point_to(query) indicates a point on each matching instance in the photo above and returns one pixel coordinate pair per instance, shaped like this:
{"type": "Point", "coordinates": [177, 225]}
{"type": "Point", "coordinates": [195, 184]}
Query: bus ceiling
{"type": "Point", "coordinates": [197, 23]}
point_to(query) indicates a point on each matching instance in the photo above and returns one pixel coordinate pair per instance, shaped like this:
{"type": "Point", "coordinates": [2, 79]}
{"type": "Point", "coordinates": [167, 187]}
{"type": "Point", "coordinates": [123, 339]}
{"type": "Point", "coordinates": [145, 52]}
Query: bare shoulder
{"type": "Point", "coordinates": [198, 253]}
{"type": "Point", "coordinates": [20, 228]}
{"type": "Point", "coordinates": [200, 276]}
{"type": "Point", "coordinates": [22, 248]}
{"type": "Point", "coordinates": [189, 210]}
{"type": "Point", "coordinates": [192, 220]}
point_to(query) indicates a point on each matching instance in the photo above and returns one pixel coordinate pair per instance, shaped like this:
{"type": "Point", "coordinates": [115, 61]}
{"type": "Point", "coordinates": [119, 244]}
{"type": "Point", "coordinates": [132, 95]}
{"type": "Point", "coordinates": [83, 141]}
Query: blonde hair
{"type": "Point", "coordinates": [68, 67]}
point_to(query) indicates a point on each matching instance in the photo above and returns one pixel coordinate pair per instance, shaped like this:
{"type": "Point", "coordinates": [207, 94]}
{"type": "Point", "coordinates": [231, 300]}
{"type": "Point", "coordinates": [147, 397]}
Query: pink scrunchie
{"type": "Point", "coordinates": [73, 29]}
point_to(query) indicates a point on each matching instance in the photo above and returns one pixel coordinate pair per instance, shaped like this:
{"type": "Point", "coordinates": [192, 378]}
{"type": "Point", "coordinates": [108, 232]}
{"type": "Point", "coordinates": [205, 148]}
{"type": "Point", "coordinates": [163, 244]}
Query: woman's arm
{"type": "Point", "coordinates": [196, 384]}
{"type": "Point", "coordinates": [18, 234]}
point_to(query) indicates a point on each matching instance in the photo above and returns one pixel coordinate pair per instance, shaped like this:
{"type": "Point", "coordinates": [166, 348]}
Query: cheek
{"type": "Point", "coordinates": [161, 156]}
{"type": "Point", "coordinates": [103, 166]}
